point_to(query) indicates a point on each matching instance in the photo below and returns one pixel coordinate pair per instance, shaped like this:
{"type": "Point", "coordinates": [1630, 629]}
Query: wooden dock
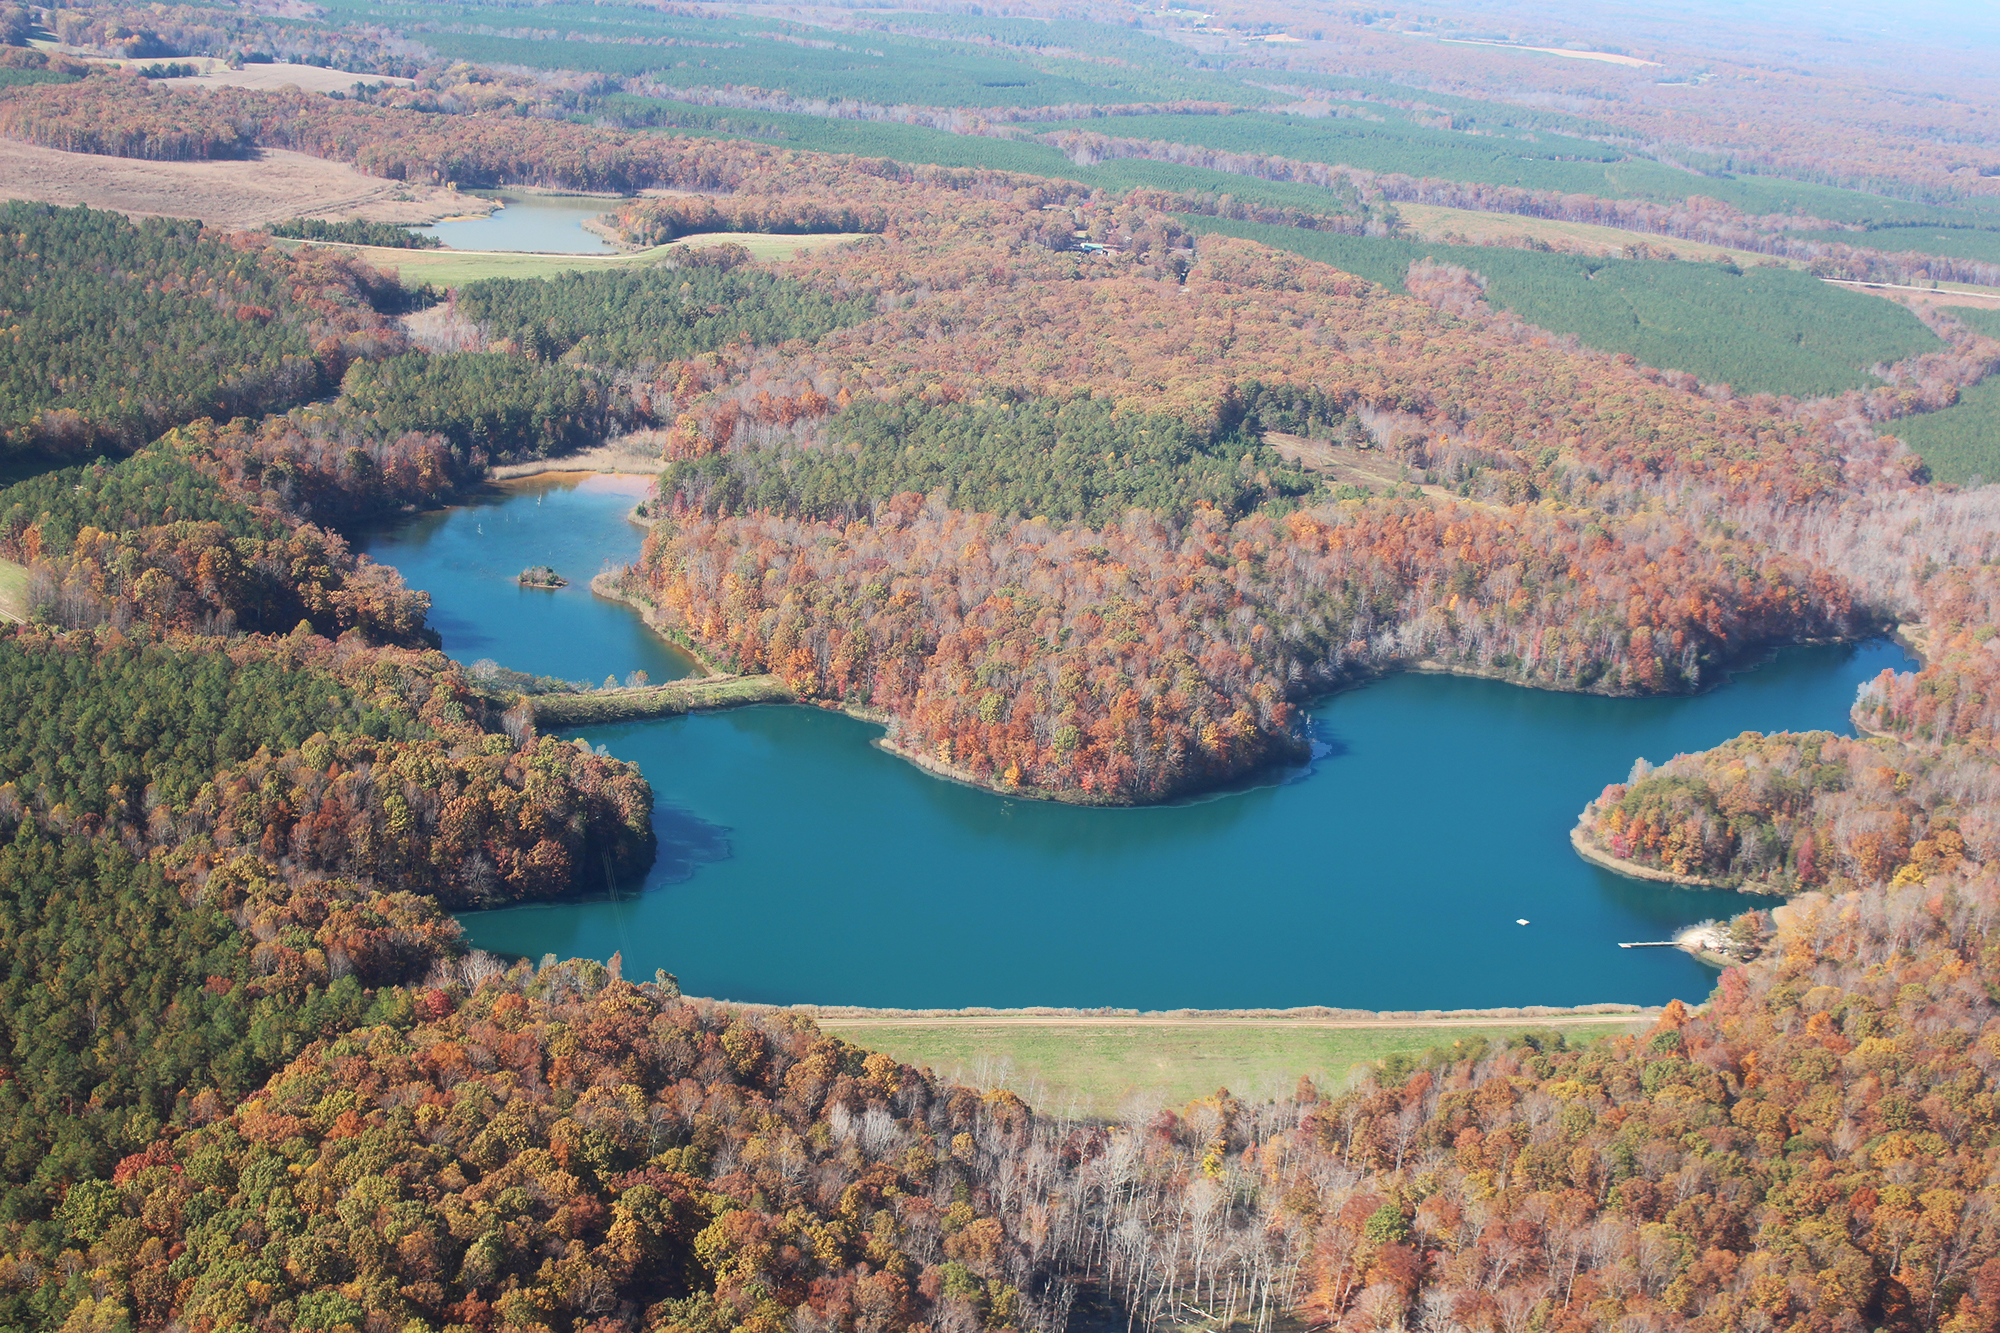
{"type": "Point", "coordinates": [1652, 944]}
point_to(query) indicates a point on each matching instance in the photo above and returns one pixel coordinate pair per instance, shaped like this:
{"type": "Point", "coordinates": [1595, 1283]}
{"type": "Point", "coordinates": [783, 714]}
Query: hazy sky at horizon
{"type": "Point", "coordinates": [1975, 22]}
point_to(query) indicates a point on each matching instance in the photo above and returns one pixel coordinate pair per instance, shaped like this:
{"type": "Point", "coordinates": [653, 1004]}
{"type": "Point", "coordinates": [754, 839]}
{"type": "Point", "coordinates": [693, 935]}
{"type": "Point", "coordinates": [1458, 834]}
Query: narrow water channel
{"type": "Point", "coordinates": [799, 863]}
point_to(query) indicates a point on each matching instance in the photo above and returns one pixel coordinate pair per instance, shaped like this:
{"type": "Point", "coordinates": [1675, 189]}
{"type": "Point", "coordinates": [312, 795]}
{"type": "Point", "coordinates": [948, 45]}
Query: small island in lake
{"type": "Point", "coordinates": [541, 576]}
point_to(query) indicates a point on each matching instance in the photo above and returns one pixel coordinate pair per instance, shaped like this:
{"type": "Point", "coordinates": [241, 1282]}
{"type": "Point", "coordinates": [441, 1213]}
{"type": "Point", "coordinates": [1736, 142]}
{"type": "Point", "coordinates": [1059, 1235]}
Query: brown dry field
{"type": "Point", "coordinates": [264, 78]}
{"type": "Point", "coordinates": [1433, 223]}
{"type": "Point", "coordinates": [271, 187]}
{"type": "Point", "coordinates": [270, 78]}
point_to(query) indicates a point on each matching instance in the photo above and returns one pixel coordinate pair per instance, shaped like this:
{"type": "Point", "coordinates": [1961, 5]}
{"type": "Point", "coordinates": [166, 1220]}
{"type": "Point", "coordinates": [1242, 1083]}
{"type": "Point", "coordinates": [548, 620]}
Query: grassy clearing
{"type": "Point", "coordinates": [1099, 1068]}
{"type": "Point", "coordinates": [454, 268]}
{"type": "Point", "coordinates": [13, 591]}
{"type": "Point", "coordinates": [1434, 224]}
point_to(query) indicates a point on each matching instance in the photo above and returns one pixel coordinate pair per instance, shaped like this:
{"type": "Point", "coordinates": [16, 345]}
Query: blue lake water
{"type": "Point", "coordinates": [541, 223]}
{"type": "Point", "coordinates": [470, 560]}
{"type": "Point", "coordinates": [799, 863]}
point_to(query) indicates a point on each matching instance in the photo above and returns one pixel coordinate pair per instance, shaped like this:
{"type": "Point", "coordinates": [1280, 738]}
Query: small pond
{"type": "Point", "coordinates": [540, 223]}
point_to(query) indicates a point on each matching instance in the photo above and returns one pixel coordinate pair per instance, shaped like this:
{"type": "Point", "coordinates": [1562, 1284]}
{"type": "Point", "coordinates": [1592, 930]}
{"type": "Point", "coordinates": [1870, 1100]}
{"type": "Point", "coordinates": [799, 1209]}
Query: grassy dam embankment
{"type": "Point", "coordinates": [654, 701]}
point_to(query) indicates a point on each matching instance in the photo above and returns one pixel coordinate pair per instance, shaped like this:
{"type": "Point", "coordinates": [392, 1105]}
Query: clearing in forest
{"type": "Point", "coordinates": [13, 591]}
{"type": "Point", "coordinates": [272, 77]}
{"type": "Point", "coordinates": [262, 77]}
{"type": "Point", "coordinates": [1099, 1067]}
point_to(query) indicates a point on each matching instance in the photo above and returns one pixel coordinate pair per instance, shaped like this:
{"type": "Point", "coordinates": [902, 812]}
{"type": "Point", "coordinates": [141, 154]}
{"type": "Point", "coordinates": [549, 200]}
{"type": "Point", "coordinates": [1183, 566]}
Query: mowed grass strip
{"type": "Point", "coordinates": [454, 268]}
{"type": "Point", "coordinates": [1103, 1069]}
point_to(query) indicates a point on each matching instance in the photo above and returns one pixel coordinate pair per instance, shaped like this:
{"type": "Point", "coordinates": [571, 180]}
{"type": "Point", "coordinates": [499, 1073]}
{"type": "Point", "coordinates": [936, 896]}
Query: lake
{"type": "Point", "coordinates": [538, 223]}
{"type": "Point", "coordinates": [798, 863]}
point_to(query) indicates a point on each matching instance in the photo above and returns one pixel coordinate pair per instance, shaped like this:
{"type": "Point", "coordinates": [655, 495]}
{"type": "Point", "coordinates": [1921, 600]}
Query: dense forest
{"type": "Point", "coordinates": [933, 552]}
{"type": "Point", "coordinates": [349, 231]}
{"type": "Point", "coordinates": [183, 909]}
{"type": "Point", "coordinates": [221, 848]}
{"type": "Point", "coordinates": [502, 406]}
{"type": "Point", "coordinates": [642, 318]}
{"type": "Point", "coordinates": [1789, 813]}
{"type": "Point", "coordinates": [657, 221]}
{"type": "Point", "coordinates": [1079, 459]}
{"type": "Point", "coordinates": [120, 330]}
{"type": "Point", "coordinates": [188, 557]}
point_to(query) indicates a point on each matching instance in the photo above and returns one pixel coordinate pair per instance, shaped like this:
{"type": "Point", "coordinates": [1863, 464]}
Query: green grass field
{"type": "Point", "coordinates": [1762, 330]}
{"type": "Point", "coordinates": [453, 268]}
{"type": "Point", "coordinates": [1098, 1068]}
{"type": "Point", "coordinates": [13, 591]}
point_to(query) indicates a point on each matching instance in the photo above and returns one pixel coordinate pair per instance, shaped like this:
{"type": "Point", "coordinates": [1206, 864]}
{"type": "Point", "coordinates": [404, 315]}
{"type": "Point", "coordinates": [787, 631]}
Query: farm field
{"type": "Point", "coordinates": [941, 148]}
{"type": "Point", "coordinates": [273, 186]}
{"type": "Point", "coordinates": [1101, 1067]}
{"type": "Point", "coordinates": [886, 68]}
{"type": "Point", "coordinates": [269, 77]}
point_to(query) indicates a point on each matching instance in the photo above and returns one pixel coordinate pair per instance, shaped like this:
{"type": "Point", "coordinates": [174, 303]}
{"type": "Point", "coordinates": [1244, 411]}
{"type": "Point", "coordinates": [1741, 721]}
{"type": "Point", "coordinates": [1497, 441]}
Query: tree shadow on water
{"type": "Point", "coordinates": [1325, 746]}
{"type": "Point", "coordinates": [687, 843]}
